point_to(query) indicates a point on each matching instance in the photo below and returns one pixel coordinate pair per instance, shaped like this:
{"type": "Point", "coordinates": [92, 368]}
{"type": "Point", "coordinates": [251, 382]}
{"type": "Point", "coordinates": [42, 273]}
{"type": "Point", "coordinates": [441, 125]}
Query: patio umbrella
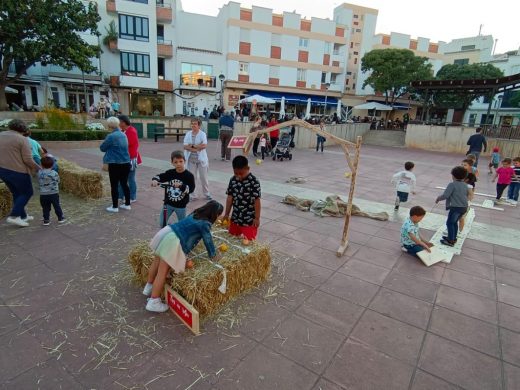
{"type": "Point", "coordinates": [259, 99]}
{"type": "Point", "coordinates": [308, 110]}
{"type": "Point", "coordinates": [282, 107]}
{"type": "Point", "coordinates": [338, 109]}
{"type": "Point", "coordinates": [373, 106]}
{"type": "Point", "coordinates": [10, 90]}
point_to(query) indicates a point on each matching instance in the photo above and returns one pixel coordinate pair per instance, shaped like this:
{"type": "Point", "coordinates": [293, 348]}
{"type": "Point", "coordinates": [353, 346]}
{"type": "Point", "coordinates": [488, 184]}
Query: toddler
{"type": "Point", "coordinates": [404, 182]}
{"type": "Point", "coordinates": [494, 160]}
{"type": "Point", "coordinates": [263, 145]}
{"type": "Point", "coordinates": [411, 239]}
{"type": "Point", "coordinates": [49, 181]}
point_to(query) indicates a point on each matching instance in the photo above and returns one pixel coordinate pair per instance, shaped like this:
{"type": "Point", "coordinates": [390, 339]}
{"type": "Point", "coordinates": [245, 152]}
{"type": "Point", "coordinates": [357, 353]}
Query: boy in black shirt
{"type": "Point", "coordinates": [243, 195]}
{"type": "Point", "coordinates": [180, 183]}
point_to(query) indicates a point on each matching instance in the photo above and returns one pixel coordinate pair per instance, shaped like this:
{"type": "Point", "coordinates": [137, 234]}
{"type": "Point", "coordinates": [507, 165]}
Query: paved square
{"type": "Point", "coordinates": [71, 317]}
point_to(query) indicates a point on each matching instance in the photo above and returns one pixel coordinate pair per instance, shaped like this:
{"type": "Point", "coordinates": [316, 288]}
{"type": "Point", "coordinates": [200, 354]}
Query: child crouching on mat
{"type": "Point", "coordinates": [171, 245]}
{"type": "Point", "coordinates": [411, 239]}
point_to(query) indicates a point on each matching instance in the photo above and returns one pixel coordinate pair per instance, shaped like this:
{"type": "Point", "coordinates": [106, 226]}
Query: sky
{"type": "Point", "coordinates": [440, 20]}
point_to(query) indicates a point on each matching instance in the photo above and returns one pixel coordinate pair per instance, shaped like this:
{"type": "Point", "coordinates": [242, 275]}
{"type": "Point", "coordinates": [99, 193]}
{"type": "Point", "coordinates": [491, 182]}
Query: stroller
{"type": "Point", "coordinates": [283, 147]}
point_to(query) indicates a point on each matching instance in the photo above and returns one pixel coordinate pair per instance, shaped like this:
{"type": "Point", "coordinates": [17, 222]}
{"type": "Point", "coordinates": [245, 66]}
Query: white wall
{"type": "Point", "coordinates": [260, 43]}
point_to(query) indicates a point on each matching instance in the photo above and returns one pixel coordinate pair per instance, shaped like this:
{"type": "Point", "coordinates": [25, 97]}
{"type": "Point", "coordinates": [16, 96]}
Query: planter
{"type": "Point", "coordinates": [112, 45]}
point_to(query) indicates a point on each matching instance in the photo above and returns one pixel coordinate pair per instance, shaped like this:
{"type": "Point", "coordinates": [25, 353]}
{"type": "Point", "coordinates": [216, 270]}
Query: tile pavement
{"type": "Point", "coordinates": [70, 316]}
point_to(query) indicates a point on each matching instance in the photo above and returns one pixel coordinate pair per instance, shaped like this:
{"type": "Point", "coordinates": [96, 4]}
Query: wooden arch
{"type": "Point", "coordinates": [352, 162]}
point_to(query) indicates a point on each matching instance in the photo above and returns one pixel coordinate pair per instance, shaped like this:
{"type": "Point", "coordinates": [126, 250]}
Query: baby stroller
{"type": "Point", "coordinates": [283, 147]}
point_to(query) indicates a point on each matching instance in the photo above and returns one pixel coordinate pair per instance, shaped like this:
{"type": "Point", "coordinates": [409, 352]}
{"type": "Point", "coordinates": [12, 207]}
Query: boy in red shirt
{"type": "Point", "coordinates": [504, 174]}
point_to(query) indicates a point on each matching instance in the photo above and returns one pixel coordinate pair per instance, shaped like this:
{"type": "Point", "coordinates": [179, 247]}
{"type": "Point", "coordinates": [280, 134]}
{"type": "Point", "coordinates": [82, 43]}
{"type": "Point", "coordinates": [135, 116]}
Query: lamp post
{"type": "Point", "coordinates": [221, 77]}
{"type": "Point", "coordinates": [327, 85]}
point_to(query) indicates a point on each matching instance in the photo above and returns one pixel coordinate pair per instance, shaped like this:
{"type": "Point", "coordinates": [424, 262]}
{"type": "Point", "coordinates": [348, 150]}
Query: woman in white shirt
{"type": "Point", "coordinates": [195, 143]}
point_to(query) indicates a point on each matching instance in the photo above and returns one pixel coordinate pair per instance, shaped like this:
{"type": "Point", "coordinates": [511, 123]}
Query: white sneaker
{"type": "Point", "coordinates": [28, 218]}
{"type": "Point", "coordinates": [404, 249]}
{"type": "Point", "coordinates": [156, 305]}
{"type": "Point", "coordinates": [133, 200]}
{"type": "Point", "coordinates": [125, 207]}
{"type": "Point", "coordinates": [147, 290]}
{"type": "Point", "coordinates": [17, 221]}
{"type": "Point", "coordinates": [112, 209]}
{"type": "Point", "coordinates": [513, 202]}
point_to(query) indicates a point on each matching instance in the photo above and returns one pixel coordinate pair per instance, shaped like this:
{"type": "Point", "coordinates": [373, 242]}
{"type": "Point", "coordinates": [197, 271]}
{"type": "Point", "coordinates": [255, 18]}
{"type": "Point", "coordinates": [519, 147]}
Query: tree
{"type": "Point", "coordinates": [45, 31]}
{"type": "Point", "coordinates": [392, 70]}
{"type": "Point", "coordinates": [462, 100]}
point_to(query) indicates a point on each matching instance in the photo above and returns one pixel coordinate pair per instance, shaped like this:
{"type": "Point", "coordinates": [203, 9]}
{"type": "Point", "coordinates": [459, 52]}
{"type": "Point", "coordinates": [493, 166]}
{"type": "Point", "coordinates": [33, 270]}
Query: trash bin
{"type": "Point", "coordinates": [139, 128]}
{"type": "Point", "coordinates": [212, 130]}
{"type": "Point", "coordinates": [153, 128]}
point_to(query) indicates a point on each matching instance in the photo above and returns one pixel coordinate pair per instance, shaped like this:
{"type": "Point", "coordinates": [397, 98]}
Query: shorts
{"type": "Point", "coordinates": [167, 246]}
{"type": "Point", "coordinates": [248, 232]}
{"type": "Point", "coordinates": [494, 165]}
{"type": "Point", "coordinates": [403, 196]}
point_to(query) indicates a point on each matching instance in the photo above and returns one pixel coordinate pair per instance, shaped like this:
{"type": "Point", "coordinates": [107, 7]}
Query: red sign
{"type": "Point", "coordinates": [237, 141]}
{"type": "Point", "coordinates": [178, 307]}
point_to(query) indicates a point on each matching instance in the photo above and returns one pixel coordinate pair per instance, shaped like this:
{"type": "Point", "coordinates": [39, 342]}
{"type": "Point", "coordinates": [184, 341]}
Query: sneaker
{"type": "Point", "coordinates": [46, 223]}
{"type": "Point", "coordinates": [513, 202]}
{"type": "Point", "coordinates": [223, 158]}
{"type": "Point", "coordinates": [404, 249]}
{"type": "Point", "coordinates": [17, 221]}
{"type": "Point", "coordinates": [133, 200]}
{"type": "Point", "coordinates": [208, 197]}
{"type": "Point", "coordinates": [28, 218]}
{"type": "Point", "coordinates": [156, 305]}
{"type": "Point", "coordinates": [125, 207]}
{"type": "Point", "coordinates": [63, 220]}
{"type": "Point", "coordinates": [445, 238]}
{"type": "Point", "coordinates": [396, 208]}
{"type": "Point", "coordinates": [147, 290]}
{"type": "Point", "coordinates": [447, 243]}
{"type": "Point", "coordinates": [112, 209]}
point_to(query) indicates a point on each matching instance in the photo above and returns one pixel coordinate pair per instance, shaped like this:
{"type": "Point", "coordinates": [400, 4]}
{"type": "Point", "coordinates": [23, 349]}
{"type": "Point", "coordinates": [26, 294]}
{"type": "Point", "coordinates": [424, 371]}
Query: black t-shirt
{"type": "Point", "coordinates": [244, 193]}
{"type": "Point", "coordinates": [177, 196]}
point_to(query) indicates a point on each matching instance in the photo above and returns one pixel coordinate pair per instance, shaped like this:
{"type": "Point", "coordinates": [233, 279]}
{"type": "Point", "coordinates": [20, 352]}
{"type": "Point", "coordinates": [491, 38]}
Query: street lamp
{"type": "Point", "coordinates": [221, 77]}
{"type": "Point", "coordinates": [327, 85]}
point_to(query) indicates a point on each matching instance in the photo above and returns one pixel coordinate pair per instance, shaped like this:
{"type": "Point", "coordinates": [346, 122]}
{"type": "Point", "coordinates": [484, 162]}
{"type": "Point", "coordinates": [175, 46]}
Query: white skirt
{"type": "Point", "coordinates": [167, 246]}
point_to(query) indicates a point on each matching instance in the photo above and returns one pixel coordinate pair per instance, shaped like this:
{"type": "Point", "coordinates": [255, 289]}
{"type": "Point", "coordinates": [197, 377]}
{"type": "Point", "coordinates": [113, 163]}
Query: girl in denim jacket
{"type": "Point", "coordinates": [170, 246]}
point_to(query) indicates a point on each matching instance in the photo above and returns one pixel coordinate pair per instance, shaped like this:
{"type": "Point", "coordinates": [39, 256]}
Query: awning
{"type": "Point", "coordinates": [75, 81]}
{"type": "Point", "coordinates": [295, 97]}
{"type": "Point", "coordinates": [397, 106]}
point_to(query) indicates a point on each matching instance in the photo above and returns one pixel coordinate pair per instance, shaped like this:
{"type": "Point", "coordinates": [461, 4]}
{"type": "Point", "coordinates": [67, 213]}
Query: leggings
{"type": "Point", "coordinates": [118, 174]}
{"type": "Point", "coordinates": [500, 190]}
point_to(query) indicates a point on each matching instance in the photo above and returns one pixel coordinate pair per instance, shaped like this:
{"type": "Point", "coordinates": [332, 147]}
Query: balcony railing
{"type": "Point", "coordinates": [164, 11]}
{"type": "Point", "coordinates": [164, 48]}
{"type": "Point", "coordinates": [165, 85]}
{"type": "Point", "coordinates": [195, 80]}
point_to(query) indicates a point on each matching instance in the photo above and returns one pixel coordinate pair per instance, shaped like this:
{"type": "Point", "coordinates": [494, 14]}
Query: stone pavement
{"type": "Point", "coordinates": [71, 317]}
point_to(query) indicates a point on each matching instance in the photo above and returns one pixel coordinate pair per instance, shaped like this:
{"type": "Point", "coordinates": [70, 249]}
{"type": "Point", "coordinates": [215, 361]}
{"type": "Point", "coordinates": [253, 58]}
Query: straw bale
{"type": "Point", "coordinates": [6, 201]}
{"type": "Point", "coordinates": [81, 182]}
{"type": "Point", "coordinates": [199, 285]}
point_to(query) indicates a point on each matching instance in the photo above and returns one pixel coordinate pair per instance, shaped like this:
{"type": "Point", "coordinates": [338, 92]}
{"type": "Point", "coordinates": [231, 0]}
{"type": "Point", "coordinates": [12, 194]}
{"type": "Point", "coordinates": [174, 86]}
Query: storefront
{"type": "Point", "coordinates": [146, 103]}
{"type": "Point", "coordinates": [75, 95]}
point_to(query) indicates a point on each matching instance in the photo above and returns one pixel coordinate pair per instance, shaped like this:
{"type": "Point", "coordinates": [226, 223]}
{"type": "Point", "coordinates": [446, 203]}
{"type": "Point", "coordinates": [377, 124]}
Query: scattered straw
{"type": "Point", "coordinates": [79, 181]}
{"type": "Point", "coordinates": [6, 201]}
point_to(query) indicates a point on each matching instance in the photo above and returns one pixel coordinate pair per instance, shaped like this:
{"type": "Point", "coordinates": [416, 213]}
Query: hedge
{"type": "Point", "coordinates": [68, 135]}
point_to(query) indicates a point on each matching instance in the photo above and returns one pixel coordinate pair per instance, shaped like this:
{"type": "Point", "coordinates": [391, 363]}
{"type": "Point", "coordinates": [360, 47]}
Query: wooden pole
{"type": "Point", "coordinates": [344, 239]}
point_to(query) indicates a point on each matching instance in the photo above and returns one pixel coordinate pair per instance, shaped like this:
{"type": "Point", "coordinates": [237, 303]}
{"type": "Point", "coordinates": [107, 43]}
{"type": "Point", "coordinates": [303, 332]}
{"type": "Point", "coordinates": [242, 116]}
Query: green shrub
{"type": "Point", "coordinates": [68, 135]}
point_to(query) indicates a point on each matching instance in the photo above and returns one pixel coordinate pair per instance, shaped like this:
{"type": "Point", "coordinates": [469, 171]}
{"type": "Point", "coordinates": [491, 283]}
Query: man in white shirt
{"type": "Point", "coordinates": [195, 143]}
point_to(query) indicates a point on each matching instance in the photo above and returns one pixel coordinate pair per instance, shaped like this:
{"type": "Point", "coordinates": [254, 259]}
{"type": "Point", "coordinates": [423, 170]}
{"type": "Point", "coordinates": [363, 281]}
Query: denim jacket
{"type": "Point", "coordinates": [190, 231]}
{"type": "Point", "coordinates": [115, 147]}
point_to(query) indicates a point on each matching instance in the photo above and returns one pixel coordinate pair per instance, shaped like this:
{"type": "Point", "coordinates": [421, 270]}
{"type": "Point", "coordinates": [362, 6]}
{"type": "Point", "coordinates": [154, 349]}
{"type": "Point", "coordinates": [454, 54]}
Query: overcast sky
{"type": "Point", "coordinates": [440, 20]}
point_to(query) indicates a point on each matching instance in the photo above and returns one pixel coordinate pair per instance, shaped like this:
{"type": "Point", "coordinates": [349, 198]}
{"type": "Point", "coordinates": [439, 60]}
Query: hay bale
{"type": "Point", "coordinates": [199, 285]}
{"type": "Point", "coordinates": [81, 182]}
{"type": "Point", "coordinates": [6, 201]}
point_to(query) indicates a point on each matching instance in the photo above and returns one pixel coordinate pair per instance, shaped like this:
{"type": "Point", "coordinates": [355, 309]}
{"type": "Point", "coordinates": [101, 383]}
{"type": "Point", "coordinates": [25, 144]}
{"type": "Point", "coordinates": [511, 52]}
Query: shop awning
{"type": "Point", "coordinates": [295, 97]}
{"type": "Point", "coordinates": [397, 106]}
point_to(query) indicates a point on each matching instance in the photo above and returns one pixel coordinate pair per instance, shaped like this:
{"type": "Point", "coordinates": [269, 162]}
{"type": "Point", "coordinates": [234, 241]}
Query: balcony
{"type": "Point", "coordinates": [198, 80]}
{"type": "Point", "coordinates": [115, 81]}
{"type": "Point", "coordinates": [165, 85]}
{"type": "Point", "coordinates": [164, 48]}
{"type": "Point", "coordinates": [111, 6]}
{"type": "Point", "coordinates": [164, 11]}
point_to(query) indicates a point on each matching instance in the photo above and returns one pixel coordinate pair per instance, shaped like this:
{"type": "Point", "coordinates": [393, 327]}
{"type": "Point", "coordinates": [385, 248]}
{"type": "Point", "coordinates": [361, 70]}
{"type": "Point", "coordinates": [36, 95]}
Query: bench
{"type": "Point", "coordinates": [171, 131]}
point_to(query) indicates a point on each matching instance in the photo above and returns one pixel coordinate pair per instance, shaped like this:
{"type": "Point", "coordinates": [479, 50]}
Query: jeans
{"type": "Point", "coordinates": [512, 192]}
{"type": "Point", "coordinates": [20, 186]}
{"type": "Point", "coordinates": [118, 174]}
{"type": "Point", "coordinates": [454, 214]}
{"type": "Point", "coordinates": [179, 212]}
{"type": "Point", "coordinates": [500, 189]}
{"type": "Point", "coordinates": [131, 184]}
{"type": "Point", "coordinates": [46, 202]}
{"type": "Point", "coordinates": [413, 249]}
{"type": "Point", "coordinates": [319, 142]}
{"type": "Point", "coordinates": [225, 137]}
{"type": "Point", "coordinates": [274, 141]}
{"type": "Point", "coordinates": [256, 142]}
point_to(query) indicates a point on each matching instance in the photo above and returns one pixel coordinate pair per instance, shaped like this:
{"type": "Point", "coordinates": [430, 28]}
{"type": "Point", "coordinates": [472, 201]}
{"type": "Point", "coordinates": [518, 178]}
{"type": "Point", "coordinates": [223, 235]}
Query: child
{"type": "Point", "coordinates": [514, 187]}
{"type": "Point", "coordinates": [320, 140]}
{"type": "Point", "coordinates": [49, 181]}
{"type": "Point", "coordinates": [472, 158]}
{"type": "Point", "coordinates": [55, 164]}
{"type": "Point", "coordinates": [263, 143]}
{"type": "Point", "coordinates": [470, 182]}
{"type": "Point", "coordinates": [171, 245]}
{"type": "Point", "coordinates": [456, 196]}
{"type": "Point", "coordinates": [180, 184]}
{"type": "Point", "coordinates": [411, 240]}
{"type": "Point", "coordinates": [494, 160]}
{"type": "Point", "coordinates": [404, 182]}
{"type": "Point", "coordinates": [470, 169]}
{"type": "Point", "coordinates": [243, 194]}
{"type": "Point", "coordinates": [504, 174]}
{"type": "Point", "coordinates": [36, 148]}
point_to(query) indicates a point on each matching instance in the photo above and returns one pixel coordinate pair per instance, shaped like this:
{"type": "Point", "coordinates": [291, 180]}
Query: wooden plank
{"type": "Point", "coordinates": [182, 309]}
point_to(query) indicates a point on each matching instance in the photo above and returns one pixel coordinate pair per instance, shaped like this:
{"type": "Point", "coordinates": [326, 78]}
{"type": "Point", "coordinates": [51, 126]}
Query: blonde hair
{"type": "Point", "coordinates": [113, 122]}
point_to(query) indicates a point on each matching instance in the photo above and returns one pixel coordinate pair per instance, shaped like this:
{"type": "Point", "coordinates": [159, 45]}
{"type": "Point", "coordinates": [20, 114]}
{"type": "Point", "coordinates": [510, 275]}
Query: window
{"type": "Point", "coordinates": [34, 96]}
{"type": "Point", "coordinates": [467, 47]}
{"type": "Point", "coordinates": [358, 30]}
{"type": "Point", "coordinates": [55, 96]}
{"type": "Point", "coordinates": [323, 77]}
{"type": "Point", "coordinates": [142, 1]}
{"type": "Point", "coordinates": [301, 75]}
{"type": "Point", "coordinates": [461, 61]}
{"type": "Point", "coordinates": [333, 78]}
{"type": "Point", "coordinates": [133, 27]}
{"type": "Point", "coordinates": [133, 64]}
{"type": "Point", "coordinates": [356, 16]}
{"type": "Point", "coordinates": [304, 42]}
{"type": "Point", "coordinates": [274, 71]}
{"type": "Point", "coordinates": [197, 75]}
{"type": "Point", "coordinates": [243, 68]}
{"type": "Point", "coordinates": [276, 52]}
{"type": "Point", "coordinates": [356, 53]}
{"type": "Point", "coordinates": [355, 61]}
{"type": "Point", "coordinates": [160, 33]}
{"type": "Point", "coordinates": [328, 47]}
{"type": "Point", "coordinates": [160, 68]}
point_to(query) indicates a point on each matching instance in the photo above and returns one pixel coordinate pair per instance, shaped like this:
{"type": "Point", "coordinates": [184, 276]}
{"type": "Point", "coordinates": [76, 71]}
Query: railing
{"type": "Point", "coordinates": [501, 132]}
{"type": "Point", "coordinates": [162, 4]}
{"type": "Point", "coordinates": [162, 41]}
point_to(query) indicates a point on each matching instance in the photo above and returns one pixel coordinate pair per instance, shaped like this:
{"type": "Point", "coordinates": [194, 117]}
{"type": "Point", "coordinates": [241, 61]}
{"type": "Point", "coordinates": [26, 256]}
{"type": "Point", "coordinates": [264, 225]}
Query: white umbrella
{"type": "Point", "coordinates": [10, 90]}
{"type": "Point", "coordinates": [282, 107]}
{"type": "Point", "coordinates": [259, 99]}
{"type": "Point", "coordinates": [338, 109]}
{"type": "Point", "coordinates": [308, 110]}
{"type": "Point", "coordinates": [373, 106]}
